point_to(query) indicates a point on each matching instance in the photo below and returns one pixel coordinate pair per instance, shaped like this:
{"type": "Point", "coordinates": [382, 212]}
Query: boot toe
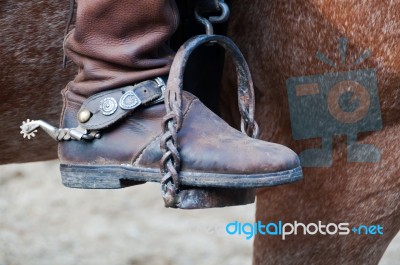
{"type": "Point", "coordinates": [275, 158]}
{"type": "Point", "coordinates": [211, 149]}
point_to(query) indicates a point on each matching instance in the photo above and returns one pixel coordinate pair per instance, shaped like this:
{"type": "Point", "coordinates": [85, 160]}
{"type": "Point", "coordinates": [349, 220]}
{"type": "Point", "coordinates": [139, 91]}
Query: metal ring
{"type": "Point", "coordinates": [225, 12]}
{"type": "Point", "coordinates": [206, 23]}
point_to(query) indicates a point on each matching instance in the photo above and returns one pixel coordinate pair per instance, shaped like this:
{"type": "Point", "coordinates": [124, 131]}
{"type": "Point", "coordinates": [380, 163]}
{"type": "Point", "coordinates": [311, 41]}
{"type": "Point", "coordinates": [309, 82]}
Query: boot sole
{"type": "Point", "coordinates": [115, 177]}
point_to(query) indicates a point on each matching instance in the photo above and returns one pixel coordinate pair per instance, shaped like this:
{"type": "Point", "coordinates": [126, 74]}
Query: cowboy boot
{"type": "Point", "coordinates": [118, 130]}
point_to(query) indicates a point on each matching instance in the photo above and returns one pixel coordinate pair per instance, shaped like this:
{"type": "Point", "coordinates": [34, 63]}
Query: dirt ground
{"type": "Point", "coordinates": [42, 222]}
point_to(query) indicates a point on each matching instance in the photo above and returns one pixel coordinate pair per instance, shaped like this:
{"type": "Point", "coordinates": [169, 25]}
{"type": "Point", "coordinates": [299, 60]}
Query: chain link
{"type": "Point", "coordinates": [207, 23]}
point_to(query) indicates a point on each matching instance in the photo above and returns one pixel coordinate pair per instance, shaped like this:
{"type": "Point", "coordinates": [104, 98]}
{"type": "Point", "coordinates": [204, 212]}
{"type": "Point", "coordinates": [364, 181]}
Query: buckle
{"type": "Point", "coordinates": [162, 86]}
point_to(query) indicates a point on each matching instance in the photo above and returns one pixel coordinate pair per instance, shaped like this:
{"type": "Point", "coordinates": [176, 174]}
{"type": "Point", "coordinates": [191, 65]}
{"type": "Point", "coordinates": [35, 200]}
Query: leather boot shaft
{"type": "Point", "coordinates": [118, 43]}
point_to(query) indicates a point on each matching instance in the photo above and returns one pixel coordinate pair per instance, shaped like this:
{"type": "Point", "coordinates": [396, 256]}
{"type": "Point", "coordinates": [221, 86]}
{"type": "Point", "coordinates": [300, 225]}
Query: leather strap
{"type": "Point", "coordinates": [110, 106]}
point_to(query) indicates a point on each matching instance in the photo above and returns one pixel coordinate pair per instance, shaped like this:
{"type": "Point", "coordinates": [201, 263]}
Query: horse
{"type": "Point", "coordinates": [280, 40]}
{"type": "Point", "coordinates": [31, 74]}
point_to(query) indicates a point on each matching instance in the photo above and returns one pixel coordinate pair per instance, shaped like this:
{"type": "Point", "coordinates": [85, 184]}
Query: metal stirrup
{"type": "Point", "coordinates": [171, 160]}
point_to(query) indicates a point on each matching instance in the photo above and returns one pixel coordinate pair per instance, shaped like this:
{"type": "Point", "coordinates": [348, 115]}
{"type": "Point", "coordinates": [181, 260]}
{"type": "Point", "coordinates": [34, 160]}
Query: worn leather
{"type": "Point", "coordinates": [117, 43]}
{"type": "Point", "coordinates": [121, 143]}
{"type": "Point", "coordinates": [207, 143]}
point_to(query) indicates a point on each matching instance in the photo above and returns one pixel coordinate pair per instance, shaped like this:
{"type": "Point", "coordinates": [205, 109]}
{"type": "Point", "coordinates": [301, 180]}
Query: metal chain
{"type": "Point", "coordinates": [171, 161]}
{"type": "Point", "coordinates": [207, 23]}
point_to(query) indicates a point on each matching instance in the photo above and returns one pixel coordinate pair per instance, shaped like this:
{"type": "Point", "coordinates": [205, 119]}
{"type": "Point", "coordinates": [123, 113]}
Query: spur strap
{"type": "Point", "coordinates": [103, 109]}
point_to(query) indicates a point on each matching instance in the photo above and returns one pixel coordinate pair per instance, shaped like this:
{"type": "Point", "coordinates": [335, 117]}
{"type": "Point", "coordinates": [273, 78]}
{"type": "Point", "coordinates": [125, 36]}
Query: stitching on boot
{"type": "Point", "coordinates": [189, 107]}
{"type": "Point", "coordinates": [64, 94]}
{"type": "Point", "coordinates": [136, 161]}
{"type": "Point", "coordinates": [65, 57]}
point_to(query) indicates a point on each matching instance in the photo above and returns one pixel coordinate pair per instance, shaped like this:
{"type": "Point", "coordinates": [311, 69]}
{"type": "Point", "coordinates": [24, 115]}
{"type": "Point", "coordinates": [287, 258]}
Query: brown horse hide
{"type": "Point", "coordinates": [283, 40]}
{"type": "Point", "coordinates": [280, 39]}
{"type": "Point", "coordinates": [31, 75]}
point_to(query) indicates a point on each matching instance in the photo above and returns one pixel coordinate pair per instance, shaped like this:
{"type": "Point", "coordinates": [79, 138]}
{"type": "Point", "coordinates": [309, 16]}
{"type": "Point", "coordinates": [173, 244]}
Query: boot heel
{"type": "Point", "coordinates": [200, 198]}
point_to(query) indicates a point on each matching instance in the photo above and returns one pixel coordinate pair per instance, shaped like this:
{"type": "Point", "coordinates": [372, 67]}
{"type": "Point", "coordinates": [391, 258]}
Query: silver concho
{"type": "Point", "coordinates": [108, 106]}
{"type": "Point", "coordinates": [129, 100]}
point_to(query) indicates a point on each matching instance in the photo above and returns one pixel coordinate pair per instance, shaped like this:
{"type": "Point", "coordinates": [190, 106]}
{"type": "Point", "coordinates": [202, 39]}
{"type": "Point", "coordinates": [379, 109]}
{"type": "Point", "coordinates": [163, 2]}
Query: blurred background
{"type": "Point", "coordinates": [42, 222]}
